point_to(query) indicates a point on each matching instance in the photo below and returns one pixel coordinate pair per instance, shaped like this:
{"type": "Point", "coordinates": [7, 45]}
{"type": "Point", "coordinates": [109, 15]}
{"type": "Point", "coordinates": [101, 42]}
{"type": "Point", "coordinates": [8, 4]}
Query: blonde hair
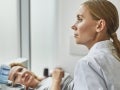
{"type": "Point", "coordinates": [19, 64]}
{"type": "Point", "coordinates": [104, 9]}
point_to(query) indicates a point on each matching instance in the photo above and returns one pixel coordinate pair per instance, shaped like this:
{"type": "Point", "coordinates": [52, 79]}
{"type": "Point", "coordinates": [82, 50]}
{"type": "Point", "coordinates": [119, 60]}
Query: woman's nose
{"type": "Point", "coordinates": [74, 27]}
{"type": "Point", "coordinates": [20, 74]}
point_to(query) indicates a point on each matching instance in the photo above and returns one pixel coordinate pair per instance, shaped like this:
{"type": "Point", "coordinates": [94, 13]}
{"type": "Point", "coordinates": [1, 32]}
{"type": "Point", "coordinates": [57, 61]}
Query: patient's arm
{"type": "Point", "coordinates": [57, 78]}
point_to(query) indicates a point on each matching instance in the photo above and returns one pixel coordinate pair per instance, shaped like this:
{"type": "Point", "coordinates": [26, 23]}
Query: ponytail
{"type": "Point", "coordinates": [116, 43]}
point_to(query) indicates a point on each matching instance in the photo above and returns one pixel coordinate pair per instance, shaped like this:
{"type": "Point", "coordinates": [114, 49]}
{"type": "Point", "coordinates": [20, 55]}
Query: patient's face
{"type": "Point", "coordinates": [19, 74]}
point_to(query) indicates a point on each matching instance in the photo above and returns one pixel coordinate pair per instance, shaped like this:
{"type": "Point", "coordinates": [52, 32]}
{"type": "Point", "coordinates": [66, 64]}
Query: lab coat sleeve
{"type": "Point", "coordinates": [88, 76]}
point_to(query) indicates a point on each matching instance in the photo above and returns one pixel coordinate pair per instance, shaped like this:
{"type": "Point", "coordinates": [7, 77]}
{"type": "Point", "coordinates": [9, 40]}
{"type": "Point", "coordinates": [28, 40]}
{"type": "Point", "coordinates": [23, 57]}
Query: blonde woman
{"type": "Point", "coordinates": [19, 74]}
{"type": "Point", "coordinates": [96, 26]}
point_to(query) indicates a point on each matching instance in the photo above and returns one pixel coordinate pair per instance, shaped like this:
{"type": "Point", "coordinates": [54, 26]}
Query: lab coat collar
{"type": "Point", "coordinates": [106, 44]}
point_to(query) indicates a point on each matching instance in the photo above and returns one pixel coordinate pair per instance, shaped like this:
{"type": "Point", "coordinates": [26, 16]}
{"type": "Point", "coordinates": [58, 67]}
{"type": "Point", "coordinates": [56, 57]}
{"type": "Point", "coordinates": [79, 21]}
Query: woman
{"type": "Point", "coordinates": [96, 26]}
{"type": "Point", "coordinates": [20, 74]}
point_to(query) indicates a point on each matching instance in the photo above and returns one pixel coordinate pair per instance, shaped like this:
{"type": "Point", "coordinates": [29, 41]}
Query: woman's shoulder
{"type": "Point", "coordinates": [89, 60]}
{"type": "Point", "coordinates": [100, 57]}
{"type": "Point", "coordinates": [93, 62]}
{"type": "Point", "coordinates": [98, 62]}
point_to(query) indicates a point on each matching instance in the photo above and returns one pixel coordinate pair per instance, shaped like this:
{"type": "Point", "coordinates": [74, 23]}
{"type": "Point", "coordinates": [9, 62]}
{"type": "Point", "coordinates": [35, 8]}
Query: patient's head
{"type": "Point", "coordinates": [20, 74]}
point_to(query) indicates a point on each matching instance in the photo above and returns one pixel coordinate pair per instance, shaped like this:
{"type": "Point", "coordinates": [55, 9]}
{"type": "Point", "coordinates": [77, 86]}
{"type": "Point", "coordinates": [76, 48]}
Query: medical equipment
{"type": "Point", "coordinates": [46, 72]}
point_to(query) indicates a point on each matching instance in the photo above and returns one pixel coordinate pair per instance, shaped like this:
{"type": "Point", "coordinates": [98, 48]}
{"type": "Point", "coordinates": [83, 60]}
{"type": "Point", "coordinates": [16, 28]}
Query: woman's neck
{"type": "Point", "coordinates": [99, 37]}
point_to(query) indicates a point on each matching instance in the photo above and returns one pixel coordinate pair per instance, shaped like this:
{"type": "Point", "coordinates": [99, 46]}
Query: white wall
{"type": "Point", "coordinates": [9, 30]}
{"type": "Point", "coordinates": [43, 38]}
{"type": "Point", "coordinates": [67, 12]}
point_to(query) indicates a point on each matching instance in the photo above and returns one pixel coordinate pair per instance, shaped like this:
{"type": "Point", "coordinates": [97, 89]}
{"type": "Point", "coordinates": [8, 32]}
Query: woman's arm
{"type": "Point", "coordinates": [57, 76]}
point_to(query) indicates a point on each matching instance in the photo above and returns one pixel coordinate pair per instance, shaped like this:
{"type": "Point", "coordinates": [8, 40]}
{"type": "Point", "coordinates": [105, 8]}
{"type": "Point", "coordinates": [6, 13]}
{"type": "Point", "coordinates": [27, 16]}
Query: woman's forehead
{"type": "Point", "coordinates": [83, 10]}
{"type": "Point", "coordinates": [15, 68]}
{"type": "Point", "coordinates": [13, 71]}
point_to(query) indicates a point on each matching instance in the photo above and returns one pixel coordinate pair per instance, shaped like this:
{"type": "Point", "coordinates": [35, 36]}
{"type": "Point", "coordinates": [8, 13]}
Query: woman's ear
{"type": "Point", "coordinates": [101, 25]}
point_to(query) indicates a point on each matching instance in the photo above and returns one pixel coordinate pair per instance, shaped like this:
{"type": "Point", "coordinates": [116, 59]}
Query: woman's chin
{"type": "Point", "coordinates": [78, 42]}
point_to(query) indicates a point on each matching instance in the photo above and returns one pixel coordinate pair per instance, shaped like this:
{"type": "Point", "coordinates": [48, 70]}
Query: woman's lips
{"type": "Point", "coordinates": [75, 35]}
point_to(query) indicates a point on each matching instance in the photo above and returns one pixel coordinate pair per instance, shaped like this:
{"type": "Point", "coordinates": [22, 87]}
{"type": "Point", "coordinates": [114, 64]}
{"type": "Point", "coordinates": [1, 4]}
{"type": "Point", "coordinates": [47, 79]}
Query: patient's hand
{"type": "Point", "coordinates": [57, 75]}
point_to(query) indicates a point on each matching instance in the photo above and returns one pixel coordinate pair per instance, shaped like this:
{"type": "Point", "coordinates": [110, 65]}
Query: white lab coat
{"type": "Point", "coordinates": [99, 70]}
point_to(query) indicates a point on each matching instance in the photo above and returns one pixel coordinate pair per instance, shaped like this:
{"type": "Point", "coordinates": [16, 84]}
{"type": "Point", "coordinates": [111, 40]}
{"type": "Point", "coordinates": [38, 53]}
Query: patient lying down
{"type": "Point", "coordinates": [58, 81]}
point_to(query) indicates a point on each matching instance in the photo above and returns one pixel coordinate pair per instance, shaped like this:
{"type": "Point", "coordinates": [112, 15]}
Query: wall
{"type": "Point", "coordinates": [67, 11]}
{"type": "Point", "coordinates": [9, 30]}
{"type": "Point", "coordinates": [43, 35]}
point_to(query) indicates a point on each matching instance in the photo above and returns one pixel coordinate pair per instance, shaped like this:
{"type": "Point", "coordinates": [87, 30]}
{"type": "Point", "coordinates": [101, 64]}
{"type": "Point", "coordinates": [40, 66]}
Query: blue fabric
{"type": "Point", "coordinates": [4, 72]}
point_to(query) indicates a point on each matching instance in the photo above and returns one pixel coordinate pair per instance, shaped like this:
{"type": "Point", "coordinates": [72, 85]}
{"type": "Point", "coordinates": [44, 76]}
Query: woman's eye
{"type": "Point", "coordinates": [20, 69]}
{"type": "Point", "coordinates": [80, 19]}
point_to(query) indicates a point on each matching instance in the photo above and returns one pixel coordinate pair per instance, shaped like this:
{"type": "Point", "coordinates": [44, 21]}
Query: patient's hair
{"type": "Point", "coordinates": [19, 64]}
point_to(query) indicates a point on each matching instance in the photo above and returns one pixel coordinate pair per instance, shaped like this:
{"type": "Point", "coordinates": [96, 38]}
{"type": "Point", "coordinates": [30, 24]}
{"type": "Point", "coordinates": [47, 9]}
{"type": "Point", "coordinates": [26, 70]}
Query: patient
{"type": "Point", "coordinates": [20, 74]}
